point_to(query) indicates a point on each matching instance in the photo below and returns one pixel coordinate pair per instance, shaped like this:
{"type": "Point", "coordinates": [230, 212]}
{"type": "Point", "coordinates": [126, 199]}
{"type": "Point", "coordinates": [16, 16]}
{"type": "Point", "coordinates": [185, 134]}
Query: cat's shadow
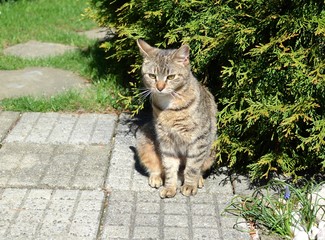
{"type": "Point", "coordinates": [134, 123]}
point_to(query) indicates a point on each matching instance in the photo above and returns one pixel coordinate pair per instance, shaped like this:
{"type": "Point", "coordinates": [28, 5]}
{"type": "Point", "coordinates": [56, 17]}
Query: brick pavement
{"type": "Point", "coordinates": [71, 176]}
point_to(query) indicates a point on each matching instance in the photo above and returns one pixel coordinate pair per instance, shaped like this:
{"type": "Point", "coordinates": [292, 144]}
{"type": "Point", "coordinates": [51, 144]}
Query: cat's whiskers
{"type": "Point", "coordinates": [145, 93]}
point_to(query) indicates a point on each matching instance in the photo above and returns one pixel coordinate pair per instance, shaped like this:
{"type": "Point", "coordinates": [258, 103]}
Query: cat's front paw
{"type": "Point", "coordinates": [168, 192]}
{"type": "Point", "coordinates": [188, 190]}
{"type": "Point", "coordinates": [201, 182]}
{"type": "Point", "coordinates": [155, 181]}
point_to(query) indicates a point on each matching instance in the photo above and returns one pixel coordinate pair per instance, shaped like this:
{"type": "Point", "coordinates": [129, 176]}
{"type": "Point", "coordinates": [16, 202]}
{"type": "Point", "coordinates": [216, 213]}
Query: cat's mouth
{"type": "Point", "coordinates": [162, 92]}
{"type": "Point", "coordinates": [168, 93]}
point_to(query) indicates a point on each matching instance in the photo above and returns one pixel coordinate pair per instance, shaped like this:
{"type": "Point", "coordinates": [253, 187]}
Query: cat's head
{"type": "Point", "coordinates": [164, 71]}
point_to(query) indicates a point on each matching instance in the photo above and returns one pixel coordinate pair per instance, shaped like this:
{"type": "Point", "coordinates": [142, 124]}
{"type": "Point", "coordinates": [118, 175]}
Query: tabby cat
{"type": "Point", "coordinates": [179, 138]}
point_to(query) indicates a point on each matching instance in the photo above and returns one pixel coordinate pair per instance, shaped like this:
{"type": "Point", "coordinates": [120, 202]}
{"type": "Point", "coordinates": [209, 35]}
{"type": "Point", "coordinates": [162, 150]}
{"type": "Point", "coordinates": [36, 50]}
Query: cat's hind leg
{"type": "Point", "coordinates": [148, 156]}
{"type": "Point", "coordinates": [205, 167]}
{"type": "Point", "coordinates": [151, 162]}
{"type": "Point", "coordinates": [171, 166]}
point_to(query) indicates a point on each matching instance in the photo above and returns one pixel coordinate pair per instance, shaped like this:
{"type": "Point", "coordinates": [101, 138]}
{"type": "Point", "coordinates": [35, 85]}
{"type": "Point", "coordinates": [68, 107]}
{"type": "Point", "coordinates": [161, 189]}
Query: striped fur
{"type": "Point", "coordinates": [183, 128]}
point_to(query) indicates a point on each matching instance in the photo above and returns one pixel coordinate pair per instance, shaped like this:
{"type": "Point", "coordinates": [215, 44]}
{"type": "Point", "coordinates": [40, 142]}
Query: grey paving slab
{"type": "Point", "coordinates": [35, 49]}
{"type": "Point", "coordinates": [57, 128]}
{"type": "Point", "coordinates": [53, 166]}
{"type": "Point", "coordinates": [55, 150]}
{"type": "Point", "coordinates": [7, 121]}
{"type": "Point", "coordinates": [38, 81]}
{"type": "Point", "coordinates": [49, 214]}
{"type": "Point", "coordinates": [97, 34]}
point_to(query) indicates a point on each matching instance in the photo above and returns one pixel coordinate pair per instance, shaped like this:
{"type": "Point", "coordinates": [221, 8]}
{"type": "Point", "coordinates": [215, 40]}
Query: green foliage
{"type": "Point", "coordinates": [263, 59]}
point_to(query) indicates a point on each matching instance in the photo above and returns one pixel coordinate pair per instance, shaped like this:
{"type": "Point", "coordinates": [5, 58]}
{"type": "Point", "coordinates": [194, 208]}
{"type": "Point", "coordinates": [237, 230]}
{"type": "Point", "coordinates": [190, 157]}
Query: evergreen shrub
{"type": "Point", "coordinates": [264, 61]}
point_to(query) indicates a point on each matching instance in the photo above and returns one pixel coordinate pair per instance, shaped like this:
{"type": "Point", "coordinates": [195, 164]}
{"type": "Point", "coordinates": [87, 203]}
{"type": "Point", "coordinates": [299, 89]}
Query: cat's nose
{"type": "Point", "coordinates": [160, 85]}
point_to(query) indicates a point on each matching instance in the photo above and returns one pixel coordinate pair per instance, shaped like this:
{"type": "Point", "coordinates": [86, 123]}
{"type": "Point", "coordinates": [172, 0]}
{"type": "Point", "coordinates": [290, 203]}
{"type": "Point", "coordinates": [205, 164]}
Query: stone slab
{"type": "Point", "coordinates": [49, 214]}
{"type": "Point", "coordinates": [7, 121]}
{"type": "Point", "coordinates": [38, 81]}
{"type": "Point", "coordinates": [35, 49]}
{"type": "Point", "coordinates": [99, 34]}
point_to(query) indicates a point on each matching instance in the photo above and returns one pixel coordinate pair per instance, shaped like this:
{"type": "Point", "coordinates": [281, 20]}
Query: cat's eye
{"type": "Point", "coordinates": [153, 76]}
{"type": "Point", "coordinates": [170, 77]}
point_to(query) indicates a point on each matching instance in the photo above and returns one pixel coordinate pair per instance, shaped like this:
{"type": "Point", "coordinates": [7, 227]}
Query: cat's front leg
{"type": "Point", "coordinates": [191, 183]}
{"type": "Point", "coordinates": [192, 174]}
{"type": "Point", "coordinates": [171, 166]}
{"type": "Point", "coordinates": [191, 189]}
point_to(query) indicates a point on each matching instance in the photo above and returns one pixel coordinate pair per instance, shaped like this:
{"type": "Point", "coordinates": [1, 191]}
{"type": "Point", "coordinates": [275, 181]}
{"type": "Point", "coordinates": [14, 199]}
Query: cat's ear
{"type": "Point", "coordinates": [182, 55]}
{"type": "Point", "coordinates": [145, 48]}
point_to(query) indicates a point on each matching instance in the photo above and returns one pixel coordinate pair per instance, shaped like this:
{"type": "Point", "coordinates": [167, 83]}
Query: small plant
{"type": "Point", "coordinates": [283, 209]}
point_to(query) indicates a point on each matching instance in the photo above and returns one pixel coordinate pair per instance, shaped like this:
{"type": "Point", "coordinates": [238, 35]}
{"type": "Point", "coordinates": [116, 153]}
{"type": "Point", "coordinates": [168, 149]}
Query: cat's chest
{"type": "Point", "coordinates": [178, 124]}
{"type": "Point", "coordinates": [162, 101]}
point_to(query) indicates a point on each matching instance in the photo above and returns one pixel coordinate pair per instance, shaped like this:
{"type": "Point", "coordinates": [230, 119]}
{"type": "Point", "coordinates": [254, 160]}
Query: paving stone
{"type": "Point", "coordinates": [176, 208]}
{"type": "Point", "coordinates": [100, 34]}
{"type": "Point", "coordinates": [147, 196]}
{"type": "Point", "coordinates": [38, 81]}
{"type": "Point", "coordinates": [176, 233]}
{"type": "Point", "coordinates": [35, 49]}
{"type": "Point", "coordinates": [204, 221]}
{"type": "Point", "coordinates": [122, 166]}
{"type": "Point", "coordinates": [114, 219]}
{"type": "Point", "coordinates": [120, 207]}
{"type": "Point", "coordinates": [203, 198]}
{"type": "Point", "coordinates": [147, 220]}
{"type": "Point", "coordinates": [148, 207]}
{"type": "Point", "coordinates": [219, 184]}
{"type": "Point", "coordinates": [241, 185]}
{"type": "Point", "coordinates": [203, 209]}
{"type": "Point", "coordinates": [26, 167]}
{"type": "Point", "coordinates": [209, 234]}
{"type": "Point", "coordinates": [7, 121]}
{"type": "Point", "coordinates": [115, 232]}
{"type": "Point", "coordinates": [57, 128]}
{"type": "Point", "coordinates": [146, 232]}
{"type": "Point", "coordinates": [179, 198]}
{"type": "Point", "coordinates": [175, 221]}
{"type": "Point", "coordinates": [121, 196]}
{"type": "Point", "coordinates": [37, 214]}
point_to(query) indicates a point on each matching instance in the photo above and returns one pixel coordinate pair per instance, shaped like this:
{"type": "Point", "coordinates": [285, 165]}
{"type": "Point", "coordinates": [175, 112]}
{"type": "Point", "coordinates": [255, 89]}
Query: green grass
{"type": "Point", "coordinates": [94, 99]}
{"type": "Point", "coordinates": [58, 22]}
